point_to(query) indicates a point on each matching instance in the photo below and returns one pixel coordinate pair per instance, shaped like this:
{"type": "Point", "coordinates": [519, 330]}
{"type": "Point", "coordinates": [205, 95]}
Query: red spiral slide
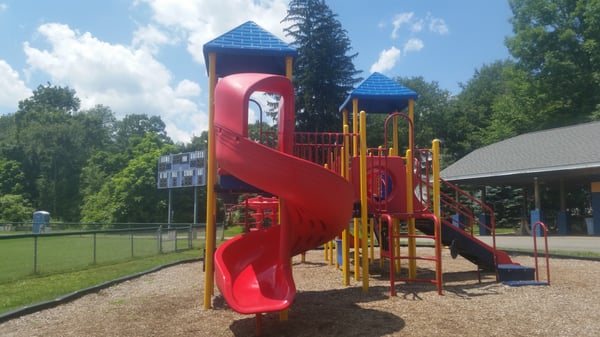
{"type": "Point", "coordinates": [253, 270]}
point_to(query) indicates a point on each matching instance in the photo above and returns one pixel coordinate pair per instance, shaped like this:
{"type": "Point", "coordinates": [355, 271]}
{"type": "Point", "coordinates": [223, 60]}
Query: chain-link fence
{"type": "Point", "coordinates": [56, 250]}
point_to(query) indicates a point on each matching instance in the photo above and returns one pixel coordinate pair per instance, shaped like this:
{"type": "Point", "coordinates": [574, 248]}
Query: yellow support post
{"type": "Point", "coordinates": [355, 123]}
{"type": "Point", "coordinates": [411, 116]}
{"type": "Point", "coordinates": [345, 245]}
{"type": "Point", "coordinates": [412, 253]}
{"type": "Point", "coordinates": [344, 120]}
{"type": "Point", "coordinates": [396, 230]}
{"type": "Point", "coordinates": [412, 244]}
{"type": "Point", "coordinates": [371, 241]}
{"type": "Point", "coordinates": [289, 62]}
{"type": "Point", "coordinates": [331, 255]}
{"type": "Point", "coordinates": [211, 178]}
{"type": "Point", "coordinates": [363, 197]}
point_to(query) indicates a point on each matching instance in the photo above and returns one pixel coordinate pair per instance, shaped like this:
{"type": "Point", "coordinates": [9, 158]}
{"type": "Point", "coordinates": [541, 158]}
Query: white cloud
{"type": "Point", "coordinates": [191, 19]}
{"type": "Point", "coordinates": [437, 25]}
{"type": "Point", "coordinates": [151, 38]}
{"type": "Point", "coordinates": [413, 45]}
{"type": "Point", "coordinates": [12, 88]}
{"type": "Point", "coordinates": [387, 60]}
{"type": "Point", "coordinates": [127, 79]}
{"type": "Point", "coordinates": [416, 25]}
{"type": "Point", "coordinates": [399, 21]}
{"type": "Point", "coordinates": [3, 7]}
{"type": "Point", "coordinates": [187, 88]}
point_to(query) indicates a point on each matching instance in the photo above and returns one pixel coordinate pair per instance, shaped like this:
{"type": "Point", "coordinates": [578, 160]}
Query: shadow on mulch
{"type": "Point", "coordinates": [327, 313]}
{"type": "Point", "coordinates": [465, 284]}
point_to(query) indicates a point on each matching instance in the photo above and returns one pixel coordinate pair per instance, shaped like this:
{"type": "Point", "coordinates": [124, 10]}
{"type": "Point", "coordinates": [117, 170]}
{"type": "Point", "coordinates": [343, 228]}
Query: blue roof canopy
{"type": "Point", "coordinates": [248, 48]}
{"type": "Point", "coordinates": [380, 94]}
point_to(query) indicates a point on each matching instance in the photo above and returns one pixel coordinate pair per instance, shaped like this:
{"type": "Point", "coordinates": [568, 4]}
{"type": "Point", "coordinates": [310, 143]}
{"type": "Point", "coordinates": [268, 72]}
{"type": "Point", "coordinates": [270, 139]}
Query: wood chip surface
{"type": "Point", "coordinates": [170, 303]}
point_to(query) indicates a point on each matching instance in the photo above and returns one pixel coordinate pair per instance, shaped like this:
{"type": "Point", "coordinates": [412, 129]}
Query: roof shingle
{"type": "Point", "coordinates": [566, 149]}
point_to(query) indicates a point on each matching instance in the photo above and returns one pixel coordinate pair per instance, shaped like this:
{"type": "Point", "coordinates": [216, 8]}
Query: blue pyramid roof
{"type": "Point", "coordinates": [380, 94]}
{"type": "Point", "coordinates": [248, 48]}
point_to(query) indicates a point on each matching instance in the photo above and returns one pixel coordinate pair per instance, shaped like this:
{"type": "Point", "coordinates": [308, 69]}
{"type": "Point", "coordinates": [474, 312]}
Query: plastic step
{"type": "Point", "coordinates": [525, 283]}
{"type": "Point", "coordinates": [515, 272]}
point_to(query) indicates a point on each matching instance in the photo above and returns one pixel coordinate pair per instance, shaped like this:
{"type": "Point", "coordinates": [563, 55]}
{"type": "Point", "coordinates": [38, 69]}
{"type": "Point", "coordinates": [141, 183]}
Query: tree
{"type": "Point", "coordinates": [323, 72]}
{"type": "Point", "coordinates": [473, 112]}
{"type": "Point", "coordinates": [430, 109]}
{"type": "Point", "coordinates": [557, 42]}
{"type": "Point", "coordinates": [134, 127]}
{"type": "Point", "coordinates": [131, 194]}
{"type": "Point", "coordinates": [54, 97]}
{"type": "Point", "coordinates": [50, 141]}
{"type": "Point", "coordinates": [12, 178]}
{"type": "Point", "coordinates": [14, 208]}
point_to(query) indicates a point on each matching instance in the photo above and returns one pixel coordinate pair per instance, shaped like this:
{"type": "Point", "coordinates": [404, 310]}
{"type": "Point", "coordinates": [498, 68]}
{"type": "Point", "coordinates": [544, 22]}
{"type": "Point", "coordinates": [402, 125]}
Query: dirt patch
{"type": "Point", "coordinates": [170, 303]}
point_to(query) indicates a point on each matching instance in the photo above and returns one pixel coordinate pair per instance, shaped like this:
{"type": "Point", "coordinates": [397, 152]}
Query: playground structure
{"type": "Point", "coordinates": [328, 185]}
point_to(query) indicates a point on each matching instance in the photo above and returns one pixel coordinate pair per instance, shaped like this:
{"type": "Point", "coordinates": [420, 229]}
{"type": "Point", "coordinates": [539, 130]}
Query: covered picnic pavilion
{"type": "Point", "coordinates": [549, 161]}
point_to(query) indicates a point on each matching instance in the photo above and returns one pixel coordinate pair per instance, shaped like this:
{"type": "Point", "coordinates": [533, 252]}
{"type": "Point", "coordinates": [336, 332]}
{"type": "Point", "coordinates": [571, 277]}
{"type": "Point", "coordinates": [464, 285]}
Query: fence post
{"type": "Point", "coordinates": [35, 239]}
{"type": "Point", "coordinates": [175, 239]}
{"type": "Point", "coordinates": [159, 233]}
{"type": "Point", "coordinates": [94, 247]}
{"type": "Point", "coordinates": [190, 237]}
{"type": "Point", "coordinates": [131, 239]}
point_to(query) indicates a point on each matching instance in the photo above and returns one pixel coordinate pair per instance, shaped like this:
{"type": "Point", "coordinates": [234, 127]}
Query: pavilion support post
{"type": "Point", "coordinates": [595, 225]}
{"type": "Point", "coordinates": [484, 219]}
{"type": "Point", "coordinates": [562, 218]}
{"type": "Point", "coordinates": [536, 214]}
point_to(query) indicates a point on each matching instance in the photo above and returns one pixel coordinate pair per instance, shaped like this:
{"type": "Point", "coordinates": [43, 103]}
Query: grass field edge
{"type": "Point", "coordinates": [29, 309]}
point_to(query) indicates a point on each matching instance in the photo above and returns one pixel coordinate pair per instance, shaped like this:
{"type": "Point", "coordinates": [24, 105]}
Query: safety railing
{"type": "Point", "coordinates": [454, 204]}
{"type": "Point", "coordinates": [541, 225]}
{"type": "Point", "coordinates": [323, 148]}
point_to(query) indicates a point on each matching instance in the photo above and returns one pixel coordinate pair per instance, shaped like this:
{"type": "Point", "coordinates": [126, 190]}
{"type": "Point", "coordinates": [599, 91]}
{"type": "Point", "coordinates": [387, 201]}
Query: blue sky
{"type": "Point", "coordinates": [145, 56]}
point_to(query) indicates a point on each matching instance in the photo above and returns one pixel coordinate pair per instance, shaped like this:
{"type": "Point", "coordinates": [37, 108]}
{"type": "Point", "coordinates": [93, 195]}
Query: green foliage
{"type": "Point", "coordinates": [65, 160]}
{"type": "Point", "coordinates": [51, 97]}
{"type": "Point", "coordinates": [507, 203]}
{"type": "Point", "coordinates": [50, 145]}
{"type": "Point", "coordinates": [430, 110]}
{"type": "Point", "coordinates": [135, 127]}
{"type": "Point", "coordinates": [14, 208]}
{"type": "Point", "coordinates": [484, 99]}
{"type": "Point", "coordinates": [131, 194]}
{"type": "Point", "coordinates": [557, 43]}
{"type": "Point", "coordinates": [12, 178]}
{"type": "Point", "coordinates": [323, 71]}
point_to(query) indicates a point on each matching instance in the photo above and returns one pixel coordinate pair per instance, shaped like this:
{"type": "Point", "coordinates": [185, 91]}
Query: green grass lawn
{"type": "Point", "coordinates": [66, 263]}
{"type": "Point", "coordinates": [59, 254]}
{"type": "Point", "coordinates": [35, 288]}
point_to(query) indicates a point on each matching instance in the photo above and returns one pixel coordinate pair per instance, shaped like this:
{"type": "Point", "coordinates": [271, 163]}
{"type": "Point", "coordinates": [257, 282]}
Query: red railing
{"type": "Point", "coordinates": [535, 251]}
{"type": "Point", "coordinates": [392, 257]}
{"type": "Point", "coordinates": [322, 148]}
{"type": "Point", "coordinates": [455, 204]}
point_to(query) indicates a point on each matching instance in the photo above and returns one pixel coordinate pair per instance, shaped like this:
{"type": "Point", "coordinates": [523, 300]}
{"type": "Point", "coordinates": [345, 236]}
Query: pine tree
{"type": "Point", "coordinates": [323, 71]}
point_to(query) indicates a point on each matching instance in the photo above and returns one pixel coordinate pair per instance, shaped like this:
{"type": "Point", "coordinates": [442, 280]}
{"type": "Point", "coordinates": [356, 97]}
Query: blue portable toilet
{"type": "Point", "coordinates": [40, 220]}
